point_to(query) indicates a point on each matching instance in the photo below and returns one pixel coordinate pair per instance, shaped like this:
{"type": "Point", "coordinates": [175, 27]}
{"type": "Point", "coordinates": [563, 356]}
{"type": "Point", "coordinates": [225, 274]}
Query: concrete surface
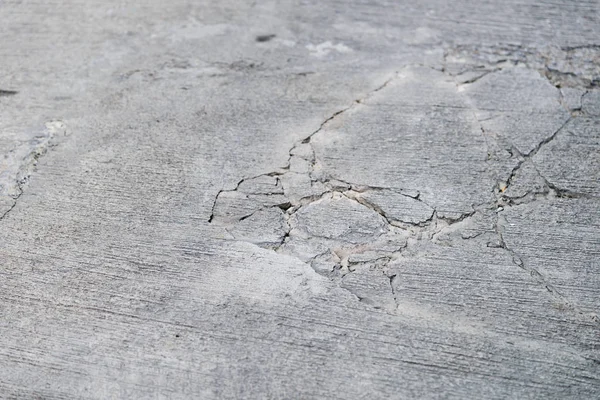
{"type": "Point", "coordinates": [300, 199]}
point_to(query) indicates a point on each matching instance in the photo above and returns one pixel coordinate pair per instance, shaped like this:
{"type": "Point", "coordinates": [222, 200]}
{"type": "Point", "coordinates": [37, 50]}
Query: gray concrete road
{"type": "Point", "coordinates": [300, 199]}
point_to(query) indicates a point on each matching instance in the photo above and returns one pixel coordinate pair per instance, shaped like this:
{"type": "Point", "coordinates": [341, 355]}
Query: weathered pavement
{"type": "Point", "coordinates": [300, 200]}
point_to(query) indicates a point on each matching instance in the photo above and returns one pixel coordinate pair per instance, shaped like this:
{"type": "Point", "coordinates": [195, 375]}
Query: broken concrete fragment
{"type": "Point", "coordinates": [270, 200]}
{"type": "Point", "coordinates": [263, 184]}
{"type": "Point", "coordinates": [481, 223]}
{"type": "Point", "coordinates": [371, 286]}
{"type": "Point", "coordinates": [306, 249]}
{"type": "Point", "coordinates": [338, 186]}
{"type": "Point", "coordinates": [232, 206]}
{"type": "Point", "coordinates": [303, 150]}
{"type": "Point", "coordinates": [300, 165]}
{"type": "Point", "coordinates": [397, 207]}
{"type": "Point", "coordinates": [326, 264]}
{"type": "Point", "coordinates": [573, 66]}
{"type": "Point", "coordinates": [385, 247]}
{"type": "Point", "coordinates": [341, 219]}
{"type": "Point", "coordinates": [328, 255]}
{"type": "Point", "coordinates": [571, 98]}
{"type": "Point", "coordinates": [265, 228]}
{"type": "Point", "coordinates": [250, 196]}
{"type": "Point", "coordinates": [300, 186]}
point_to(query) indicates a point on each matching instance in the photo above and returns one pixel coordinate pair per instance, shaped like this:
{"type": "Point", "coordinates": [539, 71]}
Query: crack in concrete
{"type": "Point", "coordinates": [306, 140]}
{"type": "Point", "coordinates": [551, 62]}
{"type": "Point", "coordinates": [14, 203]}
{"type": "Point", "coordinates": [26, 159]}
{"type": "Point", "coordinates": [537, 276]}
{"type": "Point", "coordinates": [530, 155]}
{"type": "Point", "coordinates": [553, 190]}
{"type": "Point", "coordinates": [430, 228]}
{"type": "Point", "coordinates": [330, 186]}
{"type": "Point", "coordinates": [212, 212]}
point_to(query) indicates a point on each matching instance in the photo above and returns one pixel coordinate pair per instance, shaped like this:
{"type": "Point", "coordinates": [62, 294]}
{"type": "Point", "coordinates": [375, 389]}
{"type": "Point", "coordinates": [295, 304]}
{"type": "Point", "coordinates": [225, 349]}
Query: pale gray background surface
{"type": "Point", "coordinates": [300, 199]}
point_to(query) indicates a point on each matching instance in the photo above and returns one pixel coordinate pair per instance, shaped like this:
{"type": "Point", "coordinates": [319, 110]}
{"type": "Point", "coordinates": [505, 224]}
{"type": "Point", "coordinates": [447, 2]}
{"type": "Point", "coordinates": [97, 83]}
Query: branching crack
{"type": "Point", "coordinates": [306, 140]}
{"type": "Point", "coordinates": [552, 189]}
{"type": "Point", "coordinates": [299, 185]}
{"type": "Point", "coordinates": [284, 193]}
{"type": "Point", "coordinates": [535, 274]}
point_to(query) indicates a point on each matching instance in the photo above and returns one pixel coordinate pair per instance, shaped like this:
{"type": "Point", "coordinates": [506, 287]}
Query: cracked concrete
{"type": "Point", "coordinates": [20, 161]}
{"type": "Point", "coordinates": [300, 200]}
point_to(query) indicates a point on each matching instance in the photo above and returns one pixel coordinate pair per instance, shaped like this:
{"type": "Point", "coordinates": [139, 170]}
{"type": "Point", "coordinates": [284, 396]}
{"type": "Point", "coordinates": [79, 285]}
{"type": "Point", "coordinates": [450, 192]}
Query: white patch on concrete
{"type": "Point", "coordinates": [288, 43]}
{"type": "Point", "coordinates": [323, 49]}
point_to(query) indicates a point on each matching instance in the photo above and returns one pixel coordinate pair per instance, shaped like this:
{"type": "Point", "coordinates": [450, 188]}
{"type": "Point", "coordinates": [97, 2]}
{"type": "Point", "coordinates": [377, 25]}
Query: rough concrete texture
{"type": "Point", "coordinates": [300, 199]}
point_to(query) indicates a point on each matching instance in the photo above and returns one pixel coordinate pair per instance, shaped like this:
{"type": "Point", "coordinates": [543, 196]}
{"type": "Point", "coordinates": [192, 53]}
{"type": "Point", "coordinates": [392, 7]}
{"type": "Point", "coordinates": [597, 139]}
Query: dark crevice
{"type": "Point", "coordinates": [247, 216]}
{"type": "Point", "coordinates": [6, 93]}
{"type": "Point", "coordinates": [370, 206]}
{"type": "Point", "coordinates": [212, 210]}
{"type": "Point", "coordinates": [392, 279]}
{"type": "Point", "coordinates": [285, 237]}
{"type": "Point", "coordinates": [475, 79]}
{"type": "Point", "coordinates": [451, 221]}
{"type": "Point", "coordinates": [265, 38]}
